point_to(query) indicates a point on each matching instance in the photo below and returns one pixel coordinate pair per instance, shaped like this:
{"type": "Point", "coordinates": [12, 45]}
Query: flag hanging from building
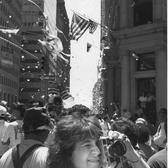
{"type": "Point", "coordinates": [78, 26]}
{"type": "Point", "coordinates": [93, 26]}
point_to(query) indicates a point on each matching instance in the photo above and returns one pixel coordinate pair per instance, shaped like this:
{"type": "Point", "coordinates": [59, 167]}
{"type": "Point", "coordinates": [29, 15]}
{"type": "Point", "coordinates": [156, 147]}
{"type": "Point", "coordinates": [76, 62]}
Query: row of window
{"type": "Point", "coordinates": [10, 69]}
{"type": "Point", "coordinates": [8, 82]}
{"type": "Point", "coordinates": [29, 12]}
{"type": "Point", "coordinates": [30, 70]}
{"type": "Point", "coordinates": [7, 49]}
{"type": "Point", "coordinates": [30, 89]}
{"type": "Point", "coordinates": [29, 24]}
{"type": "Point", "coordinates": [6, 13]}
{"type": "Point", "coordinates": [14, 9]}
{"type": "Point", "coordinates": [33, 80]}
{"type": "Point", "coordinates": [8, 97]}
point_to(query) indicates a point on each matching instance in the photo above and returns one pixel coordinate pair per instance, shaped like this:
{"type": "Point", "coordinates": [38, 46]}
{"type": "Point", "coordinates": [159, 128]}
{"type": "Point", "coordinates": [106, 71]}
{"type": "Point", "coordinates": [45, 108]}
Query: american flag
{"type": "Point", "coordinates": [78, 26]}
{"type": "Point", "coordinates": [93, 26]}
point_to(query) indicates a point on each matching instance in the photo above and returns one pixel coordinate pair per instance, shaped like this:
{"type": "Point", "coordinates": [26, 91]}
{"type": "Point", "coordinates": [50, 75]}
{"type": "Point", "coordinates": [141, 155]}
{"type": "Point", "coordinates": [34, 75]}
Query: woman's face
{"type": "Point", "coordinates": [86, 154]}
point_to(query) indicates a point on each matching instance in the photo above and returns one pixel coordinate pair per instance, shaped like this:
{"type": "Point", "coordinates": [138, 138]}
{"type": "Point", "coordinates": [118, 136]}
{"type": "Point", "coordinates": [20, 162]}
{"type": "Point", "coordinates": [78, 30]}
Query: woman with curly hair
{"type": "Point", "coordinates": [76, 143]}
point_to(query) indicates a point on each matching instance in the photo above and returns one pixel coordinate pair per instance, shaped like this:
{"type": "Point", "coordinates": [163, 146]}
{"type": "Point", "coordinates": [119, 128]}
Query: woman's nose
{"type": "Point", "coordinates": [96, 150]}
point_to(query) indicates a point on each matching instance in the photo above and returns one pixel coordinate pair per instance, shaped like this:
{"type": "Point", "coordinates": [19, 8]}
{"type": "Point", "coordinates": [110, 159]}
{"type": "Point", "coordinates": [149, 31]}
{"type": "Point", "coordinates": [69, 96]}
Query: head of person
{"type": "Point", "coordinates": [55, 106]}
{"type": "Point", "coordinates": [79, 108]}
{"type": "Point", "coordinates": [3, 112]}
{"type": "Point", "coordinates": [141, 121]}
{"type": "Point", "coordinates": [36, 124]}
{"type": "Point", "coordinates": [126, 127]}
{"type": "Point", "coordinates": [76, 143]}
{"type": "Point", "coordinates": [143, 134]}
{"type": "Point", "coordinates": [18, 110]}
{"type": "Point", "coordinates": [37, 104]}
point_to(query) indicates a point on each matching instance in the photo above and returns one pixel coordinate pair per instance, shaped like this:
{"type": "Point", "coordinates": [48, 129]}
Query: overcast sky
{"type": "Point", "coordinates": [83, 74]}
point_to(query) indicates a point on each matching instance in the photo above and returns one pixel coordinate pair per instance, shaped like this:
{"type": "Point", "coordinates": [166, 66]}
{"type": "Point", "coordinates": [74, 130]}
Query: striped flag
{"type": "Point", "coordinates": [78, 26]}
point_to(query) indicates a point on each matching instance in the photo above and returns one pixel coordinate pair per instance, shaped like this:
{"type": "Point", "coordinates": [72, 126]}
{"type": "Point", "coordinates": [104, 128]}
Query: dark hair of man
{"type": "Point", "coordinates": [143, 134]}
{"type": "Point", "coordinates": [79, 108]}
{"type": "Point", "coordinates": [57, 100]}
{"type": "Point", "coordinates": [128, 128]}
{"type": "Point", "coordinates": [70, 130]}
{"type": "Point", "coordinates": [20, 107]}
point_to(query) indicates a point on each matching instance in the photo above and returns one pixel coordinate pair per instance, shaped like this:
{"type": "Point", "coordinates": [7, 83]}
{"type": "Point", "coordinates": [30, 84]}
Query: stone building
{"type": "Point", "coordinates": [136, 61]}
{"type": "Point", "coordinates": [10, 18]}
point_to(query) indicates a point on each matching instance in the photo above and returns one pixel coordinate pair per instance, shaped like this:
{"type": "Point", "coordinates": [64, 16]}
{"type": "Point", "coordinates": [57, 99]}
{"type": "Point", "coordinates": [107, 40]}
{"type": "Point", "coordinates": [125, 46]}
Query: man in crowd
{"type": "Point", "coordinates": [14, 130]}
{"type": "Point", "coordinates": [3, 127]}
{"type": "Point", "coordinates": [30, 152]}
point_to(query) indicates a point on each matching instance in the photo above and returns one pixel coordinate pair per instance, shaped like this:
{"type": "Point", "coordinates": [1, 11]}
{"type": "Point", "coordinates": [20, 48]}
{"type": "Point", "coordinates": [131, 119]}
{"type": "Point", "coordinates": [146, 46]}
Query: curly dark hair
{"type": "Point", "coordinates": [70, 130]}
{"type": "Point", "coordinates": [128, 128]}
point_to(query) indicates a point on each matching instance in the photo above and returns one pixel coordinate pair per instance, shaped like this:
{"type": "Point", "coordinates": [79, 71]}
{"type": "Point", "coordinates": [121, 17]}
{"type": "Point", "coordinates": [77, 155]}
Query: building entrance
{"type": "Point", "coordinates": [146, 98]}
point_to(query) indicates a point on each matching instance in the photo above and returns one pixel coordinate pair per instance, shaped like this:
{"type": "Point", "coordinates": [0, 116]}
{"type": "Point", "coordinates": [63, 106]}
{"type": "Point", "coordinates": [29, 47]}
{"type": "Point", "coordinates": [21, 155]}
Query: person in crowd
{"type": "Point", "coordinates": [141, 121]}
{"type": "Point", "coordinates": [3, 127]}
{"type": "Point", "coordinates": [159, 138]}
{"type": "Point", "coordinates": [128, 128]}
{"type": "Point", "coordinates": [144, 142]}
{"type": "Point", "coordinates": [55, 107]}
{"type": "Point", "coordinates": [14, 130]}
{"type": "Point", "coordinates": [36, 126]}
{"type": "Point", "coordinates": [4, 103]}
{"type": "Point", "coordinates": [77, 144]}
{"type": "Point", "coordinates": [126, 114]}
{"type": "Point", "coordinates": [159, 159]}
{"type": "Point", "coordinates": [79, 108]}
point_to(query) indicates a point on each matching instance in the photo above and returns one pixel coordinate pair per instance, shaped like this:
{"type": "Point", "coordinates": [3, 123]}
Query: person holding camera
{"type": "Point", "coordinates": [78, 144]}
{"type": "Point", "coordinates": [123, 151]}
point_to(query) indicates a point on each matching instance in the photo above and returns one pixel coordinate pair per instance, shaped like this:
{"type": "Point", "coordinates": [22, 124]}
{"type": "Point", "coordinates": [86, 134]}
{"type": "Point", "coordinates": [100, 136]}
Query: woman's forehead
{"type": "Point", "coordinates": [89, 140]}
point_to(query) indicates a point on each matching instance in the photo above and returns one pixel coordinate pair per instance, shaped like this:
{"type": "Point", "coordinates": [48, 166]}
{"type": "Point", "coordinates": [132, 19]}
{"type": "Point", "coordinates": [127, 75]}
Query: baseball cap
{"type": "Point", "coordinates": [141, 121]}
{"type": "Point", "coordinates": [35, 119]}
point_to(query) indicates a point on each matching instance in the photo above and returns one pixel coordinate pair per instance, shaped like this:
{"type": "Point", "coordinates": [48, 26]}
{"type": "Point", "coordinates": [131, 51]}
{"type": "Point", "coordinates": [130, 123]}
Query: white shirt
{"type": "Point", "coordinates": [3, 127]}
{"type": "Point", "coordinates": [160, 136]}
{"type": "Point", "coordinates": [13, 133]}
{"type": "Point", "coordinates": [36, 160]}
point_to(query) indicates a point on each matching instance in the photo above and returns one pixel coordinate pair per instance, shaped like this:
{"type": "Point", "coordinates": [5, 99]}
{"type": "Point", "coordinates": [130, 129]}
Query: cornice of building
{"type": "Point", "coordinates": [140, 30]}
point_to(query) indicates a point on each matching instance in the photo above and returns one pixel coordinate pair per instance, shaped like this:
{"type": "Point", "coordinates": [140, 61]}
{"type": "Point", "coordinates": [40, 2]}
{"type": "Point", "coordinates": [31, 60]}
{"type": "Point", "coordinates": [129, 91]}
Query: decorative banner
{"type": "Point", "coordinates": [78, 26]}
{"type": "Point", "coordinates": [54, 46]}
{"type": "Point", "coordinates": [9, 31]}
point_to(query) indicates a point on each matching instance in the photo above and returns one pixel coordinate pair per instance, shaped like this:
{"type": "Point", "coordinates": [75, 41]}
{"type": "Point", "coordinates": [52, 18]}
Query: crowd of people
{"type": "Point", "coordinates": [51, 136]}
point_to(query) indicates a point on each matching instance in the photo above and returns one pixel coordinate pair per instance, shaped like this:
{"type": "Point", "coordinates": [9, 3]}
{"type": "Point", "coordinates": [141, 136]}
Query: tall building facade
{"type": "Point", "coordinates": [10, 18]}
{"type": "Point", "coordinates": [48, 73]}
{"type": "Point", "coordinates": [136, 61]}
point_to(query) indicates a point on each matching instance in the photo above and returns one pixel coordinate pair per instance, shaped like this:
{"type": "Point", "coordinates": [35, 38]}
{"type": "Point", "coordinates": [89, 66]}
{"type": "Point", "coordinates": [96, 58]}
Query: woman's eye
{"type": "Point", "coordinates": [87, 145]}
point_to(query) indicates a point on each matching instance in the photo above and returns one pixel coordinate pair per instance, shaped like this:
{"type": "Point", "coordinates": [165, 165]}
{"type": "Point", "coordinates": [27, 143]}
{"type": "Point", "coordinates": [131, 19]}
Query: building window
{"type": "Point", "coordinates": [143, 12]}
{"type": "Point", "coordinates": [145, 62]}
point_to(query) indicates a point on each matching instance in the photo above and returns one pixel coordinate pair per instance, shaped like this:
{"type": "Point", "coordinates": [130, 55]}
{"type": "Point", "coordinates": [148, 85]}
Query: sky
{"type": "Point", "coordinates": [83, 74]}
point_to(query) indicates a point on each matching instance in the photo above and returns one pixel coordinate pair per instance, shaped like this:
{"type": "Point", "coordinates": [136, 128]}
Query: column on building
{"type": "Point", "coordinates": [110, 93]}
{"type": "Point", "coordinates": [161, 78]}
{"type": "Point", "coordinates": [125, 80]}
{"type": "Point", "coordinates": [159, 10]}
{"type": "Point", "coordinates": [123, 14]}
